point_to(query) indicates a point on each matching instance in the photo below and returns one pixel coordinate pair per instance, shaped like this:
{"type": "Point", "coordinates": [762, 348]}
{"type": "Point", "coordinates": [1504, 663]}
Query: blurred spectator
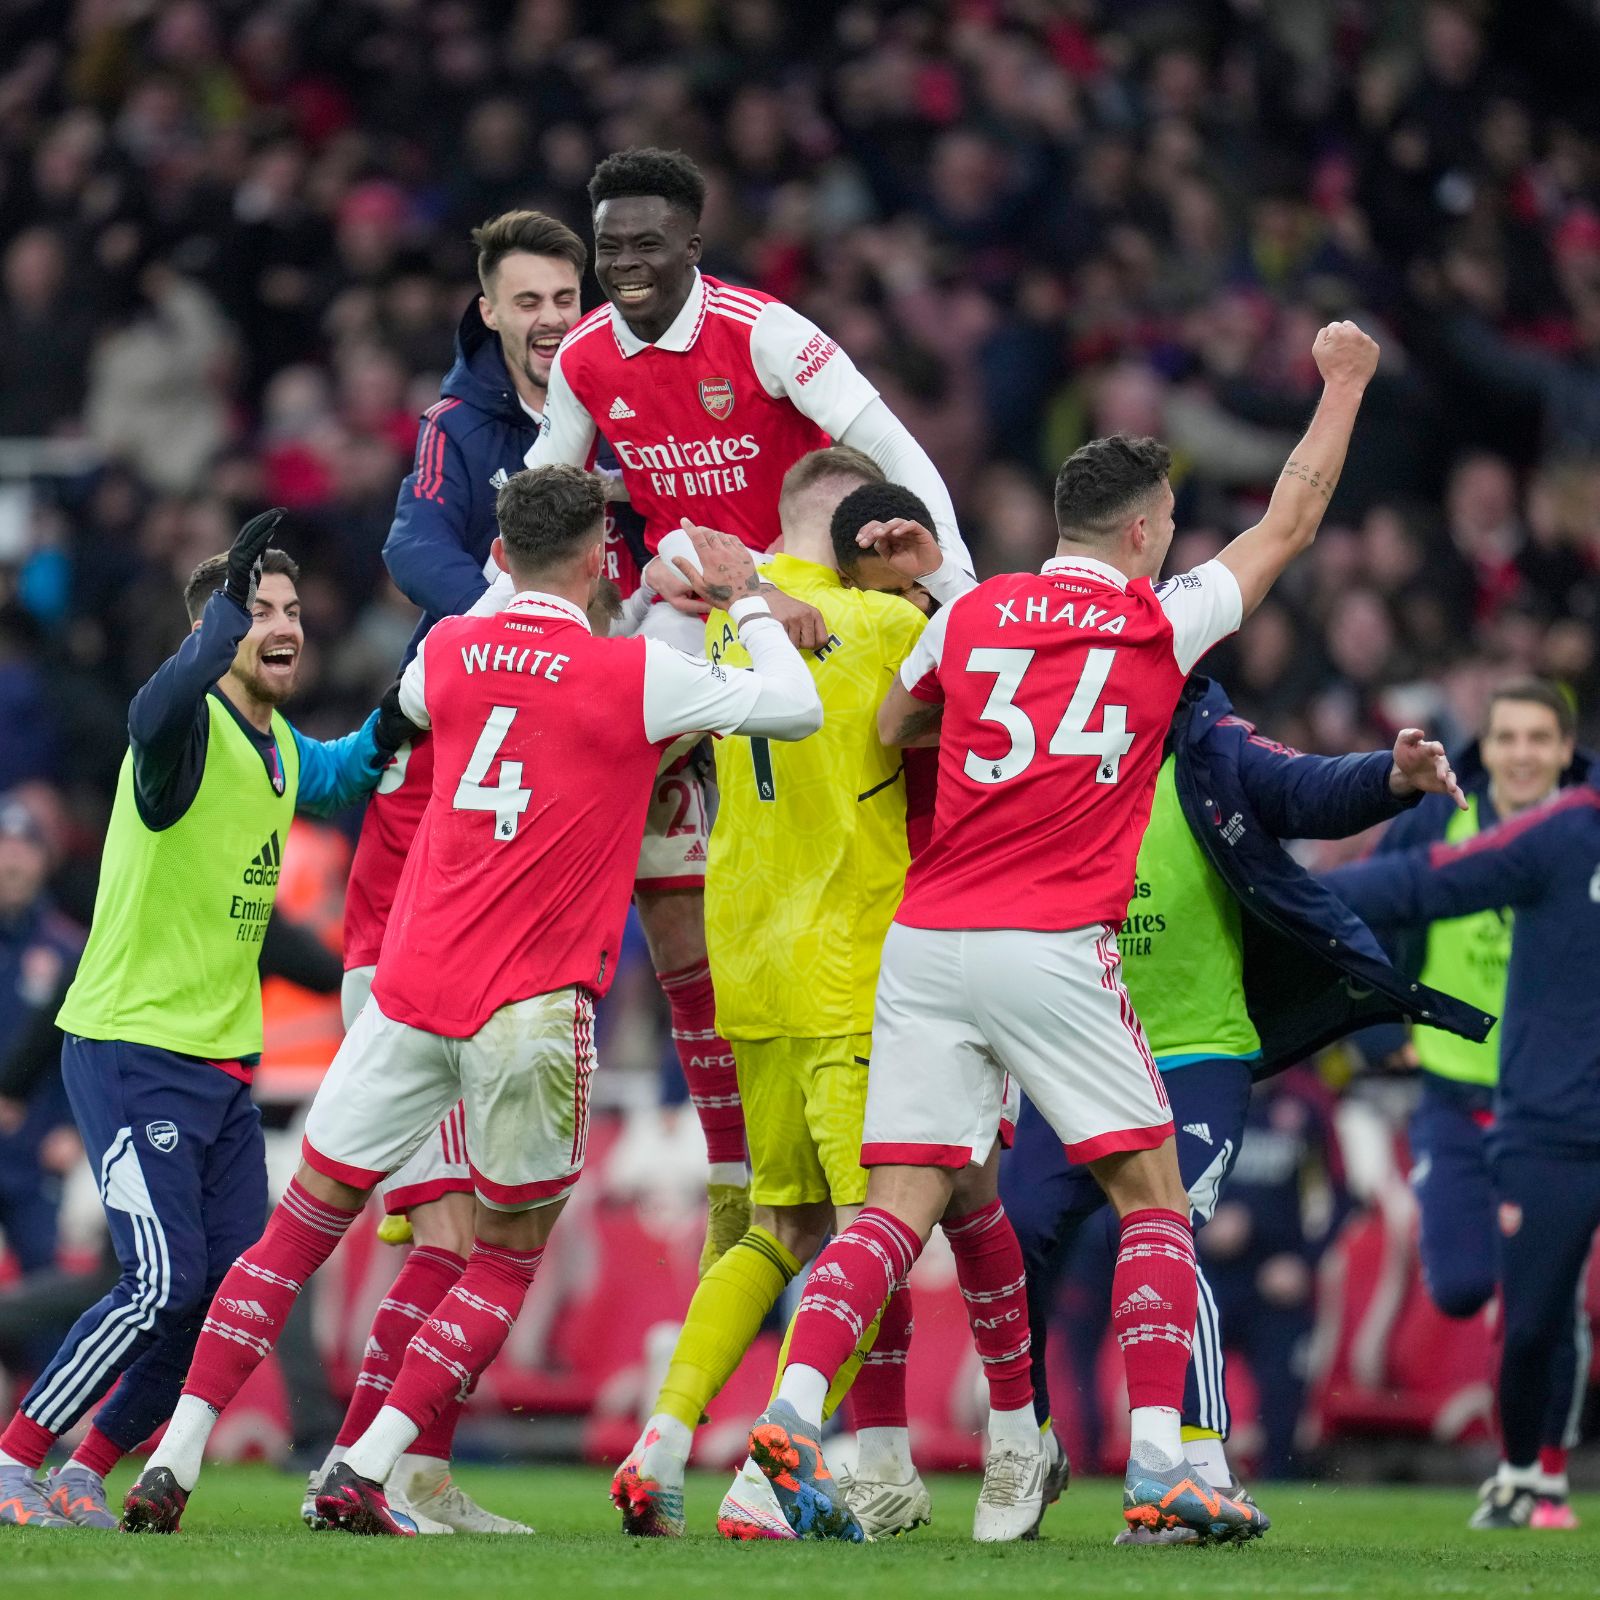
{"type": "Point", "coordinates": [39, 952]}
{"type": "Point", "coordinates": [46, 326]}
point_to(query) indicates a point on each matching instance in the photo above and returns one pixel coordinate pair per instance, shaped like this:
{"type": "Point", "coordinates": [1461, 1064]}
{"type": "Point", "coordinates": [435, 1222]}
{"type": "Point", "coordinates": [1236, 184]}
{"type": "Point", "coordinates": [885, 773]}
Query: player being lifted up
{"type": "Point", "coordinates": [708, 394]}
{"type": "Point", "coordinates": [1055, 693]}
{"type": "Point", "coordinates": [505, 930]}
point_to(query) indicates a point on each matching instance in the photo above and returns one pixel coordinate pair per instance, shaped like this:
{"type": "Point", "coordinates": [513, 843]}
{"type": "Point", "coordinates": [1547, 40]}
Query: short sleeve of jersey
{"type": "Point", "coordinates": [920, 670]}
{"type": "Point", "coordinates": [792, 356]}
{"type": "Point", "coordinates": [1204, 606]}
{"type": "Point", "coordinates": [413, 688]}
{"type": "Point", "coordinates": [566, 432]}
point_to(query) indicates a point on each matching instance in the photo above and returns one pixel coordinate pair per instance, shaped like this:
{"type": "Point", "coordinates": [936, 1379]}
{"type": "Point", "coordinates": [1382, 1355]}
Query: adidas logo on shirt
{"type": "Point", "coordinates": [1201, 1130]}
{"type": "Point", "coordinates": [1144, 1298]}
{"type": "Point", "coordinates": [500, 479]}
{"type": "Point", "coordinates": [266, 863]}
{"type": "Point", "coordinates": [620, 409]}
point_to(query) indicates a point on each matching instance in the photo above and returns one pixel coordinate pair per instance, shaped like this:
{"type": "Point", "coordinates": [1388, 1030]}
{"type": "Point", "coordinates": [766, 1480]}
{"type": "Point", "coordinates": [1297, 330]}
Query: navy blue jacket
{"type": "Point", "coordinates": [1545, 865]}
{"type": "Point", "coordinates": [1312, 972]}
{"type": "Point", "coordinates": [1426, 824]}
{"type": "Point", "coordinates": [471, 441]}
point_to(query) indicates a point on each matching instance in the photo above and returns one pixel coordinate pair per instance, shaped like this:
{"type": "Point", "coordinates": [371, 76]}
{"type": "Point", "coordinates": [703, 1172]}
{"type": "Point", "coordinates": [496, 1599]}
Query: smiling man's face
{"type": "Point", "coordinates": [531, 303]}
{"type": "Point", "coordinates": [645, 250]}
{"type": "Point", "coordinates": [268, 659]}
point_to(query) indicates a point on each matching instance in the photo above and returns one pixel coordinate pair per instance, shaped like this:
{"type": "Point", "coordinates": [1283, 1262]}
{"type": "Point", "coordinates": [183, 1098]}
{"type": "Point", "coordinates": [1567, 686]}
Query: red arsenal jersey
{"type": "Point", "coordinates": [393, 815]}
{"type": "Point", "coordinates": [1057, 692]}
{"type": "Point", "coordinates": [545, 746]}
{"type": "Point", "coordinates": [705, 421]}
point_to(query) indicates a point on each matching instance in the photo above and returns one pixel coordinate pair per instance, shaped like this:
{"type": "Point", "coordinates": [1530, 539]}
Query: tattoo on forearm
{"type": "Point", "coordinates": [1322, 482]}
{"type": "Point", "coordinates": [919, 722]}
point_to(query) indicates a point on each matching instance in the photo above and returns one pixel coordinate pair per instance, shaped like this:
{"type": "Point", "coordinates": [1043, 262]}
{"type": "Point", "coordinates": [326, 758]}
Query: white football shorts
{"type": "Point", "coordinates": [672, 854]}
{"type": "Point", "coordinates": [523, 1079]}
{"type": "Point", "coordinates": [440, 1166]}
{"type": "Point", "coordinates": [960, 1010]}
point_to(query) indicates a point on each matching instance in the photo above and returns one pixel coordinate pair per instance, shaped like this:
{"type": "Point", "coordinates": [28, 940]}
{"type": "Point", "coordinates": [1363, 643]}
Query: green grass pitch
{"type": "Point", "coordinates": [241, 1535]}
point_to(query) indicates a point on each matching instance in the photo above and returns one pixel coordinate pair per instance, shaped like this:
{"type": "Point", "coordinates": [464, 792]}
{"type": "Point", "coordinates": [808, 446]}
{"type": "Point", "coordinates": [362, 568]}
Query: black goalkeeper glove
{"type": "Point", "coordinates": [393, 727]}
{"type": "Point", "coordinates": [244, 559]}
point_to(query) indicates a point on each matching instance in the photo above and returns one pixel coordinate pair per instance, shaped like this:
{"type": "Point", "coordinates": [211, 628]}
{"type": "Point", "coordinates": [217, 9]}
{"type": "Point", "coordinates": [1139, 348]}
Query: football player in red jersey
{"type": "Point", "coordinates": [1054, 692]}
{"type": "Point", "coordinates": [708, 394]}
{"type": "Point", "coordinates": [505, 931]}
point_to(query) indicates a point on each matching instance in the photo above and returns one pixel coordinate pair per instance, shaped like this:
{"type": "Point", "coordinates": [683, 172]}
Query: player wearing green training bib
{"type": "Point", "coordinates": [163, 1021]}
{"type": "Point", "coordinates": [1238, 964]}
{"type": "Point", "coordinates": [1527, 751]}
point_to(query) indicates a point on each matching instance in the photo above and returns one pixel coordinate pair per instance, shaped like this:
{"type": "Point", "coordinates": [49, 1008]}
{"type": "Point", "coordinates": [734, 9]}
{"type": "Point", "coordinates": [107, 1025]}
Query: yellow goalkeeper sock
{"type": "Point", "coordinates": [724, 1317]}
{"type": "Point", "coordinates": [844, 1377]}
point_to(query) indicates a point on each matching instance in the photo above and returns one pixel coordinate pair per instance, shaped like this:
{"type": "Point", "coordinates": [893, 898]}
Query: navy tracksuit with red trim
{"type": "Point", "coordinates": [1545, 1144]}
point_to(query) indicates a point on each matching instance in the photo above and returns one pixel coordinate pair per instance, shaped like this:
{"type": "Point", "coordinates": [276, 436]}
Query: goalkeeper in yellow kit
{"type": "Point", "coordinates": [806, 866]}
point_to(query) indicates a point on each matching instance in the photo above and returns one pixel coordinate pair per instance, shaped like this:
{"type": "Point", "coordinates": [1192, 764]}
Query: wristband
{"type": "Point", "coordinates": [748, 606]}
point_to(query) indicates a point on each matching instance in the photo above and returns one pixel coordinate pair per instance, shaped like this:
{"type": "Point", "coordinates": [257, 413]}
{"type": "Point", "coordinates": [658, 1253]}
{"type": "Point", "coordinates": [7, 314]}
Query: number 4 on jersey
{"type": "Point", "coordinates": [507, 799]}
{"type": "Point", "coordinates": [1073, 737]}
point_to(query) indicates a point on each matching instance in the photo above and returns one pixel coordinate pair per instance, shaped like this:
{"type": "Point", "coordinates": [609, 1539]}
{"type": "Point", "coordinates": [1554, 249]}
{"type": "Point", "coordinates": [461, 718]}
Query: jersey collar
{"type": "Point", "coordinates": [780, 564]}
{"type": "Point", "coordinates": [678, 338]}
{"type": "Point", "coordinates": [1085, 567]}
{"type": "Point", "coordinates": [546, 605]}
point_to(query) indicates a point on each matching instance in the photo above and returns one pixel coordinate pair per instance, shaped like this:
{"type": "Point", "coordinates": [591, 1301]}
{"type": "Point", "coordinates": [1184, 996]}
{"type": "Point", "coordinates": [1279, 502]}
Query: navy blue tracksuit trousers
{"type": "Point", "coordinates": [1049, 1201]}
{"type": "Point", "coordinates": [1462, 1243]}
{"type": "Point", "coordinates": [175, 1144]}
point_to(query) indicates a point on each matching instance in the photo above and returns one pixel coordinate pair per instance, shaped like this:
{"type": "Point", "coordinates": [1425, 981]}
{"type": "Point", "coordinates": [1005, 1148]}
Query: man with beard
{"type": "Point", "coordinates": [163, 1022]}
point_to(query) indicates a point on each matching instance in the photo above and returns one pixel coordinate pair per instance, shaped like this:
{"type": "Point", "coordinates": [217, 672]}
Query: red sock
{"type": "Point", "coordinates": [1153, 1296]}
{"type": "Point", "coordinates": [465, 1332]}
{"type": "Point", "coordinates": [878, 1396]}
{"type": "Point", "coordinates": [254, 1299]}
{"type": "Point", "coordinates": [26, 1441]}
{"type": "Point", "coordinates": [98, 1453]}
{"type": "Point", "coordinates": [419, 1286]}
{"type": "Point", "coordinates": [707, 1062]}
{"type": "Point", "coordinates": [851, 1280]}
{"type": "Point", "coordinates": [438, 1438]}
{"type": "Point", "coordinates": [1553, 1460]}
{"type": "Point", "coordinates": [994, 1286]}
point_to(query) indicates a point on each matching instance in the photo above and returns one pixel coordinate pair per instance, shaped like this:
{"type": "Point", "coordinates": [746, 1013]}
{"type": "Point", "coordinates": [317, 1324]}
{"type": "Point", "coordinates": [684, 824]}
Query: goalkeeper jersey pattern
{"type": "Point", "coordinates": [808, 854]}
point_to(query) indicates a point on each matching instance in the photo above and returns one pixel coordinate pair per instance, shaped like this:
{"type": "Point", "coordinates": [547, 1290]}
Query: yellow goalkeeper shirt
{"type": "Point", "coordinates": [808, 856]}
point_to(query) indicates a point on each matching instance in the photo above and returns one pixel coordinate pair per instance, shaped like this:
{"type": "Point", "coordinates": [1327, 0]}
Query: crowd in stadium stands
{"type": "Point", "coordinates": [234, 248]}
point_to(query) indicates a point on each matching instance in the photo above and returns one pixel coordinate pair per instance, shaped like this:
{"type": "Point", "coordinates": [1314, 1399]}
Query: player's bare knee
{"type": "Point", "coordinates": [974, 1187]}
{"type": "Point", "coordinates": [799, 1229]}
{"type": "Point", "coordinates": [527, 1229]}
{"type": "Point", "coordinates": [1143, 1180]}
{"type": "Point", "coordinates": [674, 925]}
{"type": "Point", "coordinates": [329, 1190]}
{"type": "Point", "coordinates": [443, 1224]}
{"type": "Point", "coordinates": [917, 1196]}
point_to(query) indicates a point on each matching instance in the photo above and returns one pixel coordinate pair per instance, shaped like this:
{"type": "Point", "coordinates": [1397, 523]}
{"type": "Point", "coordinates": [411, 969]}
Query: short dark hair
{"type": "Point", "coordinates": [212, 573]}
{"type": "Point", "coordinates": [832, 461]}
{"type": "Point", "coordinates": [872, 502]}
{"type": "Point", "coordinates": [531, 232]}
{"type": "Point", "coordinates": [1540, 692]}
{"type": "Point", "coordinates": [1102, 482]}
{"type": "Point", "coordinates": [548, 514]}
{"type": "Point", "coordinates": [669, 174]}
